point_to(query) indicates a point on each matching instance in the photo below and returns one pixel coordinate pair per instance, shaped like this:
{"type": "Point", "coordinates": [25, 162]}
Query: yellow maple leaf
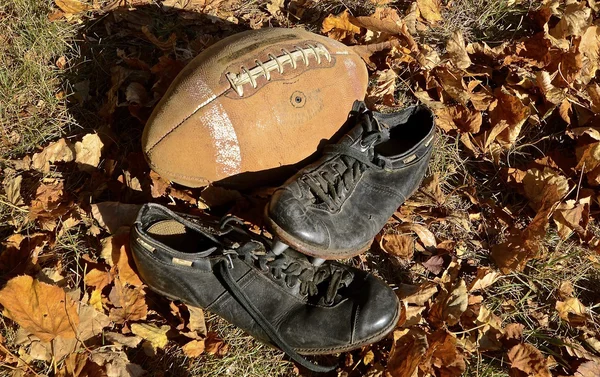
{"type": "Point", "coordinates": [43, 309]}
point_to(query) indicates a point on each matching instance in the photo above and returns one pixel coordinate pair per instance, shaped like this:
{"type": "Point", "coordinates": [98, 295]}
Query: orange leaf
{"type": "Point", "coordinates": [528, 359]}
{"type": "Point", "coordinates": [398, 245]}
{"type": "Point", "coordinates": [44, 310]}
{"type": "Point", "coordinates": [339, 27]}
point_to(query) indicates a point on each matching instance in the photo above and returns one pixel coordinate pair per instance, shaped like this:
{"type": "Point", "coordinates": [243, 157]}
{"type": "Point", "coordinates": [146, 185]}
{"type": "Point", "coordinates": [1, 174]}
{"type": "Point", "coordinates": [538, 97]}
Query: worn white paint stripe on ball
{"type": "Point", "coordinates": [228, 155]}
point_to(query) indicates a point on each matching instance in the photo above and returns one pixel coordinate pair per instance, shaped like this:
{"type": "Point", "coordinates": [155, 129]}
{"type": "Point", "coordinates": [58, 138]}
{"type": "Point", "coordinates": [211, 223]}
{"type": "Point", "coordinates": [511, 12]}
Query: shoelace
{"type": "Point", "coordinates": [294, 272]}
{"type": "Point", "coordinates": [331, 189]}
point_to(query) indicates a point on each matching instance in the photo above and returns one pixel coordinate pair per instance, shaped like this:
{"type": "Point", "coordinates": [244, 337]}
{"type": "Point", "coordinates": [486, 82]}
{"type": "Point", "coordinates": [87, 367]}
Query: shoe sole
{"type": "Point", "coordinates": [321, 351]}
{"type": "Point", "coordinates": [310, 250]}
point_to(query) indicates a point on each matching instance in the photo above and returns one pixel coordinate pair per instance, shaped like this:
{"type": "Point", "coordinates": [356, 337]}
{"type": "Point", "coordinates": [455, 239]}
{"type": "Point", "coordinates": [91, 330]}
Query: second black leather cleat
{"type": "Point", "coordinates": [282, 300]}
{"type": "Point", "coordinates": [333, 208]}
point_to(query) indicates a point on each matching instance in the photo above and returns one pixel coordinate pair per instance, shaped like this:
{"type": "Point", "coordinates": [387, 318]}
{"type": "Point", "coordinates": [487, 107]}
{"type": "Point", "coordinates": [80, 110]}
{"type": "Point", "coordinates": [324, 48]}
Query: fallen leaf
{"type": "Point", "coordinates": [544, 188]}
{"type": "Point", "coordinates": [485, 278]}
{"type": "Point", "coordinates": [507, 116]}
{"type": "Point", "coordinates": [575, 19]}
{"type": "Point", "coordinates": [409, 348]}
{"type": "Point", "coordinates": [167, 45]}
{"type": "Point", "coordinates": [88, 152]}
{"type": "Point", "coordinates": [71, 6]}
{"type": "Point", "coordinates": [459, 118]}
{"type": "Point", "coordinates": [529, 360]}
{"type": "Point", "coordinates": [593, 91]}
{"type": "Point", "coordinates": [59, 151]}
{"type": "Point", "coordinates": [116, 363]}
{"type": "Point", "coordinates": [113, 215]}
{"type": "Point", "coordinates": [79, 365]}
{"type": "Point", "coordinates": [443, 357]}
{"type": "Point", "coordinates": [197, 322]}
{"type": "Point", "coordinates": [425, 235]}
{"type": "Point", "coordinates": [12, 188]}
{"type": "Point", "coordinates": [430, 10]}
{"type": "Point", "coordinates": [215, 345]}
{"type": "Point", "coordinates": [97, 279]}
{"type": "Point", "coordinates": [194, 348]}
{"type": "Point", "coordinates": [120, 339]}
{"type": "Point", "coordinates": [572, 216]}
{"type": "Point", "coordinates": [339, 27]}
{"type": "Point", "coordinates": [572, 311]}
{"type": "Point", "coordinates": [44, 310]}
{"type": "Point", "coordinates": [457, 50]}
{"type": "Point", "coordinates": [382, 89]}
{"type": "Point", "coordinates": [157, 336]}
{"type": "Point", "coordinates": [417, 294]}
{"type": "Point", "coordinates": [130, 304]}
{"type": "Point", "coordinates": [398, 245]}
{"type": "Point", "coordinates": [450, 305]}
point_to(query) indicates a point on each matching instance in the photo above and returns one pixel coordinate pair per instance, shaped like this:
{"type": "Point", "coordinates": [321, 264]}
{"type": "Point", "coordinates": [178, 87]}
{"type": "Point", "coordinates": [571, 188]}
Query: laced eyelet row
{"type": "Point", "coordinates": [237, 81]}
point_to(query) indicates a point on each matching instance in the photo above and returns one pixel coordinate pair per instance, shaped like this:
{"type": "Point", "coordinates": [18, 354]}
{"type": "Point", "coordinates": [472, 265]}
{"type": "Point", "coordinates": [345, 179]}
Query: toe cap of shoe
{"type": "Point", "coordinates": [377, 310]}
{"type": "Point", "coordinates": [291, 216]}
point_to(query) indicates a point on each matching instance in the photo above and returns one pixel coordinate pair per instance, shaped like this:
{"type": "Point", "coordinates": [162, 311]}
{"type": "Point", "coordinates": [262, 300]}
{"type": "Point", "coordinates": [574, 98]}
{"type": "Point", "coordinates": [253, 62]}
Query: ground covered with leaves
{"type": "Point", "coordinates": [495, 258]}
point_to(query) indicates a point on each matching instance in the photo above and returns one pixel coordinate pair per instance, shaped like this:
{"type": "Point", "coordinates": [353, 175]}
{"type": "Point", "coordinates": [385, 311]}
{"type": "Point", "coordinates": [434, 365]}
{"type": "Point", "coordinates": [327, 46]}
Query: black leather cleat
{"type": "Point", "coordinates": [334, 207]}
{"type": "Point", "coordinates": [282, 300]}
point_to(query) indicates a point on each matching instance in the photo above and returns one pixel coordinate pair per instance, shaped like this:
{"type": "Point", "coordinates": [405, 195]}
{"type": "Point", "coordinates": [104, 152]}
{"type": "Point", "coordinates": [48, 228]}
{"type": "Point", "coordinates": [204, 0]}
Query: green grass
{"type": "Point", "coordinates": [32, 111]}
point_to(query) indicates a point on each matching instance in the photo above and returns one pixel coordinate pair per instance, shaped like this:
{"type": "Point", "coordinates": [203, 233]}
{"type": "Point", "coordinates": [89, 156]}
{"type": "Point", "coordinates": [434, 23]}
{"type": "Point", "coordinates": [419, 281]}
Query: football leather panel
{"type": "Point", "coordinates": [219, 120]}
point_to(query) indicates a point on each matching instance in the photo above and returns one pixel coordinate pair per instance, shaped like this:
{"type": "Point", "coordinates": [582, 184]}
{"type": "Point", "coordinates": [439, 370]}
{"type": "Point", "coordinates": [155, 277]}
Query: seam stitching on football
{"type": "Point", "coordinates": [214, 97]}
{"type": "Point", "coordinates": [249, 76]}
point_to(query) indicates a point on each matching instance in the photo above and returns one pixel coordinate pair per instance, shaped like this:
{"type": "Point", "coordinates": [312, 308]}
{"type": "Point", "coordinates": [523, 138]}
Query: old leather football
{"type": "Point", "coordinates": [252, 102]}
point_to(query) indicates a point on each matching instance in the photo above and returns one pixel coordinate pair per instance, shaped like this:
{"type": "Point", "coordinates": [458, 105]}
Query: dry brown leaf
{"type": "Point", "coordinates": [195, 348]}
{"type": "Point", "coordinates": [130, 303]}
{"type": "Point", "coordinates": [44, 310]}
{"type": "Point", "coordinates": [426, 236]}
{"type": "Point", "coordinates": [485, 278]}
{"type": "Point", "coordinates": [410, 346]}
{"type": "Point", "coordinates": [79, 365]}
{"type": "Point", "coordinates": [590, 49]}
{"type": "Point", "coordinates": [552, 94]}
{"type": "Point", "coordinates": [116, 363]}
{"type": "Point", "coordinates": [572, 311]}
{"type": "Point", "coordinates": [97, 279]}
{"type": "Point", "coordinates": [118, 338]}
{"type": "Point", "coordinates": [529, 360]}
{"type": "Point", "coordinates": [457, 51]}
{"type": "Point", "coordinates": [459, 118]}
{"type": "Point", "coordinates": [417, 294]}
{"type": "Point", "coordinates": [398, 245]}
{"type": "Point", "coordinates": [123, 259]}
{"type": "Point", "coordinates": [507, 116]}
{"type": "Point", "coordinates": [113, 215]}
{"type": "Point", "coordinates": [565, 290]}
{"type": "Point", "coordinates": [213, 345]}
{"type": "Point", "coordinates": [339, 27]}
{"type": "Point", "coordinates": [576, 18]}
{"type": "Point", "coordinates": [382, 89]}
{"type": "Point", "coordinates": [88, 152]}
{"type": "Point", "coordinates": [12, 188]}
{"type": "Point", "coordinates": [572, 216]}
{"type": "Point", "coordinates": [453, 84]}
{"type": "Point", "coordinates": [197, 322]}
{"type": "Point", "coordinates": [449, 305]}
{"type": "Point", "coordinates": [430, 10]}
{"type": "Point", "coordinates": [384, 20]}
{"type": "Point", "coordinates": [443, 358]}
{"type": "Point", "coordinates": [544, 188]}
{"type": "Point", "coordinates": [59, 151]}
{"type": "Point", "coordinates": [157, 336]}
{"type": "Point", "coordinates": [71, 6]}
{"type": "Point", "coordinates": [589, 368]}
{"type": "Point", "coordinates": [166, 46]}
{"type": "Point", "coordinates": [593, 91]}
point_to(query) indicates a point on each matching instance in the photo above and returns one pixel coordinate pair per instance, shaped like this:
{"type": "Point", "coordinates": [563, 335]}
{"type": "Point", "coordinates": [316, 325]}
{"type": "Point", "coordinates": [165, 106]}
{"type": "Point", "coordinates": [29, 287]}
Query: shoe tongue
{"type": "Point", "coordinates": [366, 124]}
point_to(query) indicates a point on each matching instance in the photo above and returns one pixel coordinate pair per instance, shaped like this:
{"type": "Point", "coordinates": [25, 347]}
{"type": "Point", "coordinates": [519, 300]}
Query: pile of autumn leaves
{"type": "Point", "coordinates": [487, 97]}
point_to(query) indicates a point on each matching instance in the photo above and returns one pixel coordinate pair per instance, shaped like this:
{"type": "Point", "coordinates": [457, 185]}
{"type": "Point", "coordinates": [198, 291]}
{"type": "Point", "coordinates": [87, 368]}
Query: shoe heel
{"type": "Point", "coordinates": [279, 247]}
